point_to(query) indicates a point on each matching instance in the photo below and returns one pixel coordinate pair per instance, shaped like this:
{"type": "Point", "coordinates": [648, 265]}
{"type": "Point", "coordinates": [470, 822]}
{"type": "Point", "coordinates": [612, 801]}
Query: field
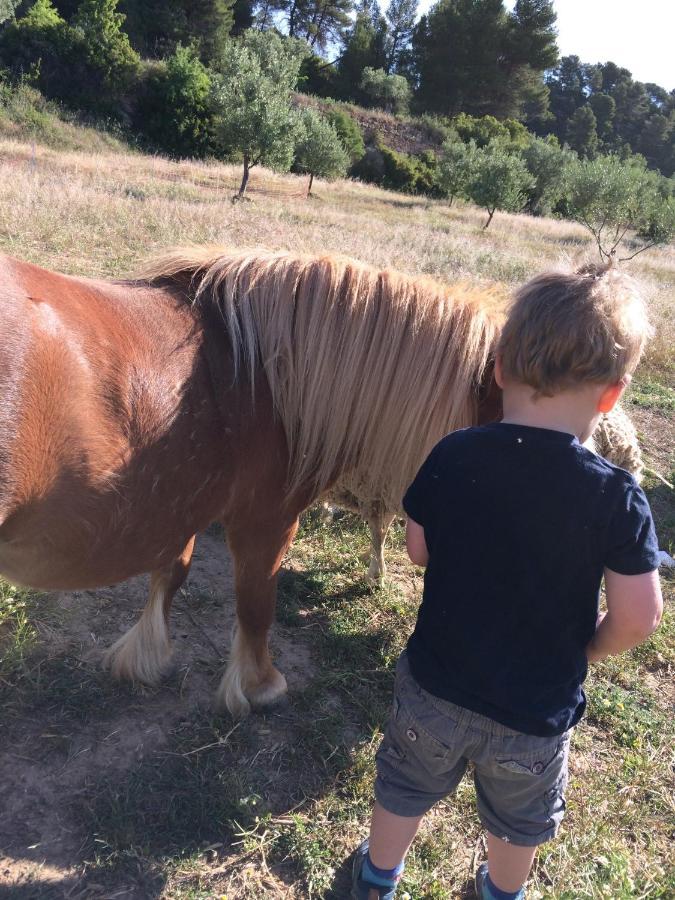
{"type": "Point", "coordinates": [108, 791]}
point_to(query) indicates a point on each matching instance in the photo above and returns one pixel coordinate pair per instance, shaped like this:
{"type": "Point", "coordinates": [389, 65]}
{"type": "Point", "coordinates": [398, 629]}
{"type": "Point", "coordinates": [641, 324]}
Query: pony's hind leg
{"type": "Point", "coordinates": [379, 523]}
{"type": "Point", "coordinates": [144, 652]}
{"type": "Point", "coordinates": [250, 678]}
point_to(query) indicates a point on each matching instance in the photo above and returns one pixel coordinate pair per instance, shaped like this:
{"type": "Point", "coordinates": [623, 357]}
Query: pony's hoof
{"type": "Point", "coordinates": [269, 692]}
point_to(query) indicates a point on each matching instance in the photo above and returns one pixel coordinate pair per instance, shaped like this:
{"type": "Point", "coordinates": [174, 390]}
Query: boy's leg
{"type": "Point", "coordinates": [390, 837]}
{"type": "Point", "coordinates": [520, 781]}
{"type": "Point", "coordinates": [508, 864]}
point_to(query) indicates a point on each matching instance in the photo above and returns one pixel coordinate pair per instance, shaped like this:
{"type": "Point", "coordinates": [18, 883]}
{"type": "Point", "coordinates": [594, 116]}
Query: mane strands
{"type": "Point", "coordinates": [367, 368]}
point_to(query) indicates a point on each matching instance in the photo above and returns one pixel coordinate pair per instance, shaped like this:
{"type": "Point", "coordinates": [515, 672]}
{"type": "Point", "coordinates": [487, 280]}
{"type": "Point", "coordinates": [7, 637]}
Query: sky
{"type": "Point", "coordinates": [635, 34]}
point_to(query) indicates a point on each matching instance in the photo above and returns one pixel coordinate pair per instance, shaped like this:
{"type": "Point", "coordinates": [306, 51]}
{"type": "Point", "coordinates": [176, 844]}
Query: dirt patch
{"type": "Point", "coordinates": [77, 746]}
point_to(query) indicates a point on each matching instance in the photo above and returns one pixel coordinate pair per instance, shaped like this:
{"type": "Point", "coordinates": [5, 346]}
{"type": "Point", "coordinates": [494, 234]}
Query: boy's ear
{"type": "Point", "coordinates": [499, 372]}
{"type": "Point", "coordinates": [611, 395]}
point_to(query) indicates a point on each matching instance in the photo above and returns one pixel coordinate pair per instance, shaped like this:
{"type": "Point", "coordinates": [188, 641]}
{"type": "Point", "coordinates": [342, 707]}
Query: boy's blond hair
{"type": "Point", "coordinates": [564, 330]}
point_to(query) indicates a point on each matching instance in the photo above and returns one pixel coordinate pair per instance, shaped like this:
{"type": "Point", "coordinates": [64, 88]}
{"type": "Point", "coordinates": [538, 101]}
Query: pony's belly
{"type": "Point", "coordinates": [44, 562]}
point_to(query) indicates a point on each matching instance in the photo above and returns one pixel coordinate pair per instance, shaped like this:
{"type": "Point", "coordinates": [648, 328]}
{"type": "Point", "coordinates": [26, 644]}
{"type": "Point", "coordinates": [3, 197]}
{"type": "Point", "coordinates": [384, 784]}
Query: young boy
{"type": "Point", "coordinates": [516, 523]}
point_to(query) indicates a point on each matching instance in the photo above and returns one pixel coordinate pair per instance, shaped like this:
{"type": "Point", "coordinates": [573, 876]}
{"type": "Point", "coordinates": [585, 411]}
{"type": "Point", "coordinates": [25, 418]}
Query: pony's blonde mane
{"type": "Point", "coordinates": [367, 368]}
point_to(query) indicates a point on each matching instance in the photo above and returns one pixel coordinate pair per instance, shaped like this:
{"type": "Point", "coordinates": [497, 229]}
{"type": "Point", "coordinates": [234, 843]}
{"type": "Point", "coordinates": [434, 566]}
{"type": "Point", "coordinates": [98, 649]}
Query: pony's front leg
{"type": "Point", "coordinates": [250, 678]}
{"type": "Point", "coordinates": [144, 652]}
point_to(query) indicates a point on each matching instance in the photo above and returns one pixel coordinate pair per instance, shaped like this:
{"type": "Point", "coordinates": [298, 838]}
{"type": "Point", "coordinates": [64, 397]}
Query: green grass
{"type": "Point", "coordinates": [18, 634]}
{"type": "Point", "coordinates": [652, 394]}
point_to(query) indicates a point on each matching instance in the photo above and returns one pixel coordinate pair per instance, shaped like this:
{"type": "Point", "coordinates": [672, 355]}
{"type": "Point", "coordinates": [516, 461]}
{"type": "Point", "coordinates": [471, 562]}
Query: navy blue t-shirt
{"type": "Point", "coordinates": [520, 523]}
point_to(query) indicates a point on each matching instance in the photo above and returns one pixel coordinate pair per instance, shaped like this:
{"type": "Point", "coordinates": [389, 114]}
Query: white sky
{"type": "Point", "coordinates": [636, 34]}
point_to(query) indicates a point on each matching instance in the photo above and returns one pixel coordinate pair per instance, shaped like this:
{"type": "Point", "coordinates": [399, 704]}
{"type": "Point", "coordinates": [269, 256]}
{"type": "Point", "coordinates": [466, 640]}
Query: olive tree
{"type": "Point", "coordinates": [500, 181]}
{"type": "Point", "coordinates": [391, 92]}
{"type": "Point", "coordinates": [252, 88]}
{"type": "Point", "coordinates": [548, 164]}
{"type": "Point", "coordinates": [456, 168]}
{"type": "Point", "coordinates": [319, 150]}
{"type": "Point", "coordinates": [612, 198]}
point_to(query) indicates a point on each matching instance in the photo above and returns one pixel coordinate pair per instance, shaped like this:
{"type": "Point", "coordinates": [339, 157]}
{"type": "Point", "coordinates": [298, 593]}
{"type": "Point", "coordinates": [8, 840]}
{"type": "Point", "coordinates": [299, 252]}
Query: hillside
{"type": "Point", "coordinates": [112, 791]}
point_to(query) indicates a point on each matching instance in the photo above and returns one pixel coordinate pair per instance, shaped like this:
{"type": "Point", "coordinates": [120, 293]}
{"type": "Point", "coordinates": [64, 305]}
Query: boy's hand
{"type": "Point", "coordinates": [634, 608]}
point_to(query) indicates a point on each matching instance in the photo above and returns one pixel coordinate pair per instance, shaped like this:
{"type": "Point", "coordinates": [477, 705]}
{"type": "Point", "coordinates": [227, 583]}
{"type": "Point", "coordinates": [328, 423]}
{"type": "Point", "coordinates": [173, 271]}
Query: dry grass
{"type": "Point", "coordinates": [97, 214]}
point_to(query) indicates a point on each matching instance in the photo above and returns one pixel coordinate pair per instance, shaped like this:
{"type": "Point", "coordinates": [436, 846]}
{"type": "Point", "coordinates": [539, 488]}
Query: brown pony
{"type": "Point", "coordinates": [218, 386]}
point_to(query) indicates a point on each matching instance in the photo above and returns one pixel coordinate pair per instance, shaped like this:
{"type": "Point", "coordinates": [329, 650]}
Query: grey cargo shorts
{"type": "Point", "coordinates": [428, 743]}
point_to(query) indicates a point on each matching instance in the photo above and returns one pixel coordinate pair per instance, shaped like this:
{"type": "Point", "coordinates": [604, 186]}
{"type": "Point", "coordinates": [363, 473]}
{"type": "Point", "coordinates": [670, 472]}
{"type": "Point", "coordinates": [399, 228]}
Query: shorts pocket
{"type": "Point", "coordinates": [536, 762]}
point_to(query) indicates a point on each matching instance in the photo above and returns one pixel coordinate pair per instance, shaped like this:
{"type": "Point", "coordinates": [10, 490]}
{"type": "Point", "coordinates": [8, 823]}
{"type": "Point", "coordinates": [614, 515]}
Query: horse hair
{"type": "Point", "coordinates": [367, 368]}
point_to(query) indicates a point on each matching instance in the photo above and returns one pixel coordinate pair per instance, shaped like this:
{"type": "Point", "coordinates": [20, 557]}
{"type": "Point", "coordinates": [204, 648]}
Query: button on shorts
{"type": "Point", "coordinates": [428, 743]}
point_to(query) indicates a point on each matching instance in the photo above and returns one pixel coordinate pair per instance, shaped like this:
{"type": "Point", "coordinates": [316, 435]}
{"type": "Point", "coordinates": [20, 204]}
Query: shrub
{"type": "Point", "coordinates": [174, 110]}
{"type": "Point", "coordinates": [485, 130]}
{"type": "Point", "coordinates": [400, 171]}
{"type": "Point", "coordinates": [319, 150]}
{"type": "Point", "coordinates": [349, 133]}
{"type": "Point", "coordinates": [89, 64]}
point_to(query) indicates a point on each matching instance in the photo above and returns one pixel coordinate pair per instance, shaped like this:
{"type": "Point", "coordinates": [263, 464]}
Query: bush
{"type": "Point", "coordinates": [36, 46]}
{"type": "Point", "coordinates": [89, 64]}
{"type": "Point", "coordinates": [400, 171]}
{"type": "Point", "coordinates": [391, 92]}
{"type": "Point", "coordinates": [349, 132]}
{"type": "Point", "coordinates": [486, 130]}
{"type": "Point", "coordinates": [174, 109]}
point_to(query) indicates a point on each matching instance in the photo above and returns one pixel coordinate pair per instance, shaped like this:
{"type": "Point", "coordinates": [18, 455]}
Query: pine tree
{"type": "Point", "coordinates": [457, 54]}
{"type": "Point", "coordinates": [582, 132]}
{"type": "Point", "coordinates": [400, 16]}
{"type": "Point", "coordinates": [363, 49]}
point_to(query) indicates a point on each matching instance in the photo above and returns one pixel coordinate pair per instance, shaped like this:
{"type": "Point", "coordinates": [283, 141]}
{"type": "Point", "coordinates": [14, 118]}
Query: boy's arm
{"type": "Point", "coordinates": [416, 543]}
{"type": "Point", "coordinates": [634, 608]}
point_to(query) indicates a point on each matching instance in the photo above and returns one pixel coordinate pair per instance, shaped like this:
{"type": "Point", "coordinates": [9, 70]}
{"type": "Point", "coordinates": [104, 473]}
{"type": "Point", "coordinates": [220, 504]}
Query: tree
{"type": "Point", "coordinates": [548, 164]}
{"type": "Point", "coordinates": [105, 47]}
{"type": "Point", "coordinates": [457, 51]}
{"type": "Point", "coordinates": [582, 132]}
{"type": "Point", "coordinates": [611, 198]}
{"type": "Point", "coordinates": [390, 92]}
{"type": "Point", "coordinates": [252, 88]}
{"type": "Point", "coordinates": [37, 44]}
{"type": "Point", "coordinates": [400, 16]}
{"type": "Point", "coordinates": [364, 47]}
{"type": "Point", "coordinates": [532, 36]}
{"type": "Point", "coordinates": [7, 8]}
{"type": "Point", "coordinates": [604, 110]}
{"type": "Point", "coordinates": [319, 22]}
{"type": "Point", "coordinates": [456, 168]}
{"type": "Point", "coordinates": [242, 16]}
{"type": "Point", "coordinates": [500, 181]}
{"type": "Point", "coordinates": [319, 150]}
